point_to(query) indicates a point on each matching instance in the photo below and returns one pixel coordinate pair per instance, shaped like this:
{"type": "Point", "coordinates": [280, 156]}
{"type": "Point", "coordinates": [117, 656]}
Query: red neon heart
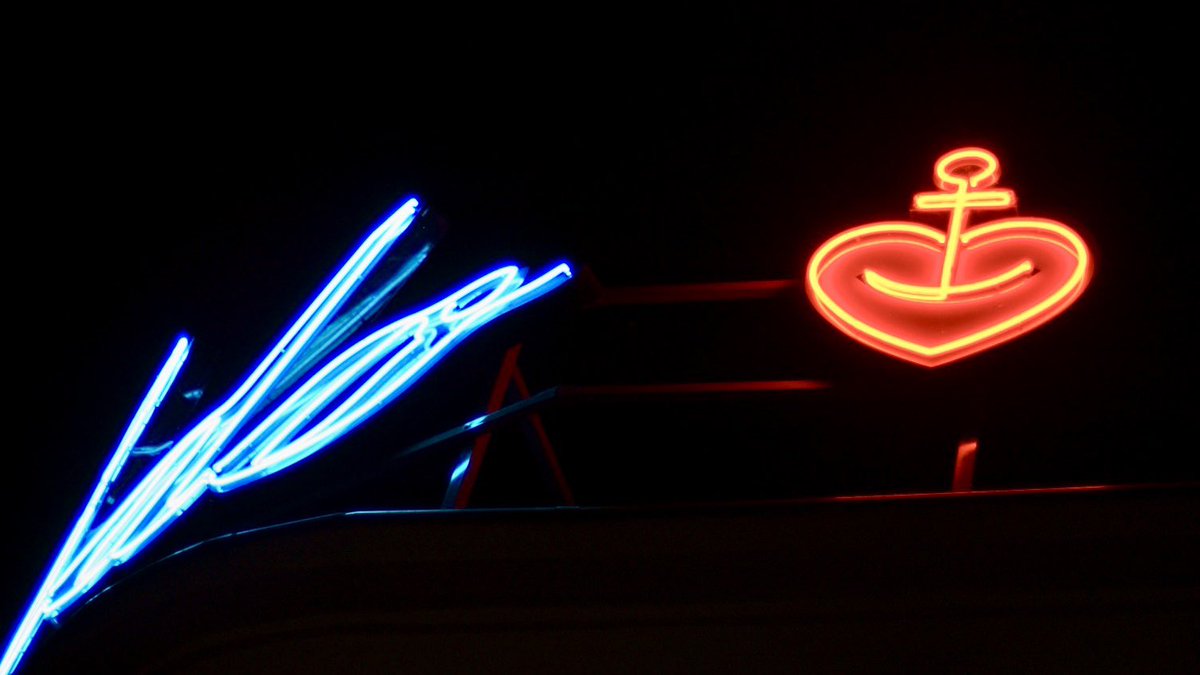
{"type": "Point", "coordinates": [889, 285]}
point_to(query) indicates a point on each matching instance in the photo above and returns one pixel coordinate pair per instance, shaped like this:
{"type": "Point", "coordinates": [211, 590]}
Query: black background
{"type": "Point", "coordinates": [207, 175]}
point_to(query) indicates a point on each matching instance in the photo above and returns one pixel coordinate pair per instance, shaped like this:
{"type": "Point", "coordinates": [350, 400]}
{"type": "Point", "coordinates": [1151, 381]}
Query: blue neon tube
{"type": "Point", "coordinates": [244, 439]}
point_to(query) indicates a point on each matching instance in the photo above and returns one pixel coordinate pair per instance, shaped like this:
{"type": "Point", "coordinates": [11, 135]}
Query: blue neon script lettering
{"type": "Point", "coordinates": [241, 441]}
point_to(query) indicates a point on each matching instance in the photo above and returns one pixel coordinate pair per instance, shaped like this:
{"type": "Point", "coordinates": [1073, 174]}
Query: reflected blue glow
{"type": "Point", "coordinates": [460, 469]}
{"type": "Point", "coordinates": [240, 442]}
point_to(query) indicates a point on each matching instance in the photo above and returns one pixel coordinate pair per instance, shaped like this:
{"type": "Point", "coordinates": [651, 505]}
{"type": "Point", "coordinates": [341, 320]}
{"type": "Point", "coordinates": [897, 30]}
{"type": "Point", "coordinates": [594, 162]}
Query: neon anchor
{"type": "Point", "coordinates": [931, 296]}
{"type": "Point", "coordinates": [296, 402]}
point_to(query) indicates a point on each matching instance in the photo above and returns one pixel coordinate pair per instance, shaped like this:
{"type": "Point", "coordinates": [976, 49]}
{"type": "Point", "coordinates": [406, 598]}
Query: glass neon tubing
{"type": "Point", "coordinates": [408, 347]}
{"type": "Point", "coordinates": [158, 389]}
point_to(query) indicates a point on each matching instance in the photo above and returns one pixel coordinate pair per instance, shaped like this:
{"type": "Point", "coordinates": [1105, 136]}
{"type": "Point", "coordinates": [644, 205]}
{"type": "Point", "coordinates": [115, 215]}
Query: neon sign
{"type": "Point", "coordinates": [248, 437]}
{"type": "Point", "coordinates": [931, 296]}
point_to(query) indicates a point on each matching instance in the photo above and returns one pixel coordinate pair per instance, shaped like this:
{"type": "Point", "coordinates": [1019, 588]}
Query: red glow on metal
{"type": "Point", "coordinates": [932, 297]}
{"type": "Point", "coordinates": [733, 291]}
{"type": "Point", "coordinates": [964, 466]}
{"type": "Point", "coordinates": [697, 388]}
{"type": "Point", "coordinates": [510, 377]}
{"type": "Point", "coordinates": [976, 493]}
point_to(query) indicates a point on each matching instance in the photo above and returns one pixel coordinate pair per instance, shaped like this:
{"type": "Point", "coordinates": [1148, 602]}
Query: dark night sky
{"type": "Point", "coordinates": [210, 184]}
